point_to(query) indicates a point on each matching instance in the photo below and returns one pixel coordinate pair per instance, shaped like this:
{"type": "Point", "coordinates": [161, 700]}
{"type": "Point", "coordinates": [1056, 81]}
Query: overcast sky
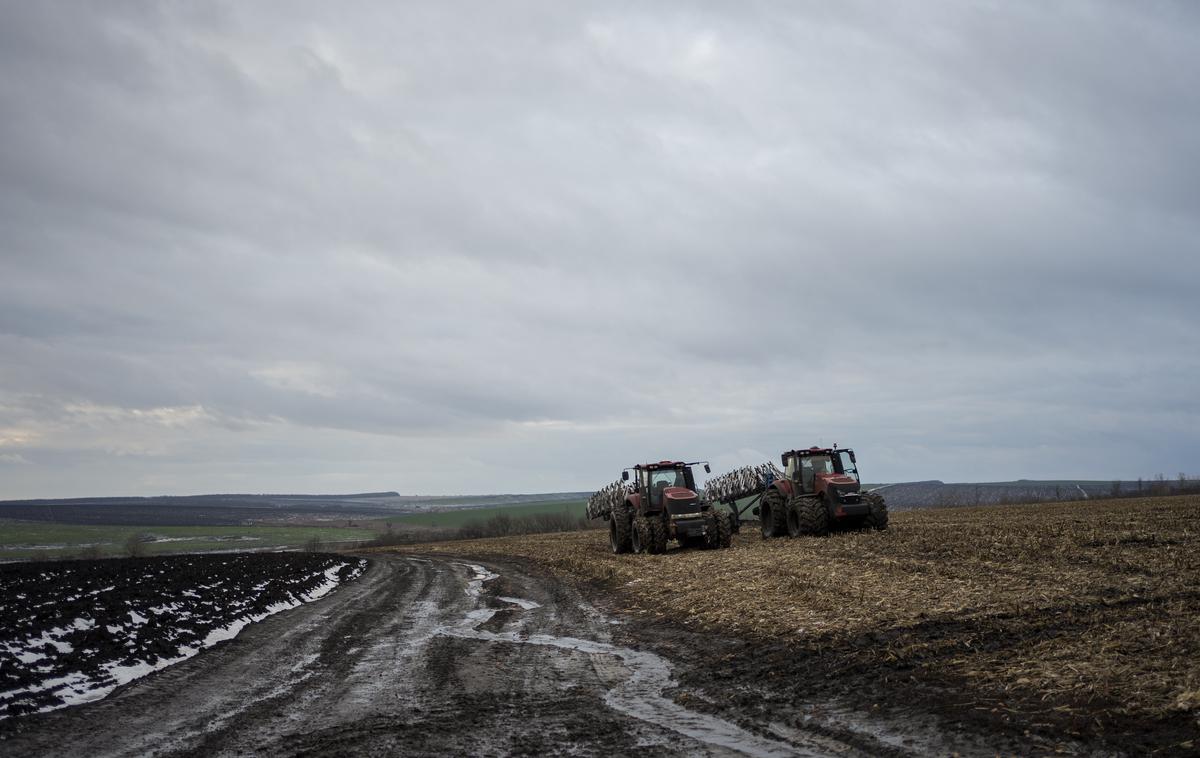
{"type": "Point", "coordinates": [509, 247]}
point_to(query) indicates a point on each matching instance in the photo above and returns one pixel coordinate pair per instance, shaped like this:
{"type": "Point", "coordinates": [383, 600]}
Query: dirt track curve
{"type": "Point", "coordinates": [420, 657]}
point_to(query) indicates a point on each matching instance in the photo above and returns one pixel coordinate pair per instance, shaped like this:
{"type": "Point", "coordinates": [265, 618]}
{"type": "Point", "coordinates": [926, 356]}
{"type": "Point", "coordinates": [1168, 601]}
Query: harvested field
{"type": "Point", "coordinates": [1072, 619]}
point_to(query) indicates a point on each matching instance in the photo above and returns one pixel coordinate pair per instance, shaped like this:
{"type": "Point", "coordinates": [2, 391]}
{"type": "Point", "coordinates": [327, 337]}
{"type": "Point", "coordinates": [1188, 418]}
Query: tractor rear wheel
{"type": "Point", "coordinates": [619, 528]}
{"type": "Point", "coordinates": [878, 517]}
{"type": "Point", "coordinates": [658, 535]}
{"type": "Point", "coordinates": [639, 539]}
{"type": "Point", "coordinates": [724, 529]}
{"type": "Point", "coordinates": [811, 515]}
{"type": "Point", "coordinates": [773, 514]}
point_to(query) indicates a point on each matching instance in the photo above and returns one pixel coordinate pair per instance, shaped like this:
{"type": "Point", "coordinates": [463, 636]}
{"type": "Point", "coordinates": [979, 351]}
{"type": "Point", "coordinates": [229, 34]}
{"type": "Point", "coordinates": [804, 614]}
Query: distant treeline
{"type": "Point", "coordinates": [500, 525]}
{"type": "Point", "coordinates": [935, 494]}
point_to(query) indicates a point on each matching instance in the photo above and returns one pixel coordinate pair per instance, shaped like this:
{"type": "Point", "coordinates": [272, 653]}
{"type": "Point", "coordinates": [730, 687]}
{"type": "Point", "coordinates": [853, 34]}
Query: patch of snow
{"type": "Point", "coordinates": [527, 605]}
{"type": "Point", "coordinates": [327, 586]}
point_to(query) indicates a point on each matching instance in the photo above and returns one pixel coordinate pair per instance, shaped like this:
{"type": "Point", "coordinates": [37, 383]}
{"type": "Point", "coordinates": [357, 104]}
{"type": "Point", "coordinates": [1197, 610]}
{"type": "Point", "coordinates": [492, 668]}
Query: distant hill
{"type": "Point", "coordinates": [239, 509]}
{"type": "Point", "coordinates": [938, 494]}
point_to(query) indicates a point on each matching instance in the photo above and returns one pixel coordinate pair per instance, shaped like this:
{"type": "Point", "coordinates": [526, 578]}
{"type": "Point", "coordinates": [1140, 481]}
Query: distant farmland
{"type": "Point", "coordinates": [110, 529]}
{"type": "Point", "coordinates": [47, 541]}
{"type": "Point", "coordinates": [453, 519]}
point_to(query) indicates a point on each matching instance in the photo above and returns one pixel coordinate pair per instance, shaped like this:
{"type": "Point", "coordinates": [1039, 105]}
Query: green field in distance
{"type": "Point", "coordinates": [452, 519]}
{"type": "Point", "coordinates": [29, 540]}
{"type": "Point", "coordinates": [25, 540]}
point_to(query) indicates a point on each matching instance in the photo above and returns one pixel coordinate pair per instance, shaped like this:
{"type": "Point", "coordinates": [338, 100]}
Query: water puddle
{"type": "Point", "coordinates": [636, 680]}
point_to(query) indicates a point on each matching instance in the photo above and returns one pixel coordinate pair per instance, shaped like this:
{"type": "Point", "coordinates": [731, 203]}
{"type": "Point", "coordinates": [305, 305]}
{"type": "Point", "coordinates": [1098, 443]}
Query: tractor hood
{"type": "Point", "coordinates": [680, 500]}
{"type": "Point", "coordinates": [841, 489]}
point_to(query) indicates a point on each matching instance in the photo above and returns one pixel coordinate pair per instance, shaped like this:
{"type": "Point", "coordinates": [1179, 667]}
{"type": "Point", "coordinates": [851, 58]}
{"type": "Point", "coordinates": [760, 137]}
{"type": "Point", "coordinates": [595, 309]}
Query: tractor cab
{"type": "Point", "coordinates": [666, 485]}
{"type": "Point", "coordinates": [817, 471]}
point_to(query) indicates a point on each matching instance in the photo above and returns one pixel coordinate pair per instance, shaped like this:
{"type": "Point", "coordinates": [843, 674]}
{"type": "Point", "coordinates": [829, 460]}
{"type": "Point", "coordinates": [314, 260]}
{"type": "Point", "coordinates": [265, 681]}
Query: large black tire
{"type": "Point", "coordinates": [619, 531]}
{"type": "Point", "coordinates": [710, 528]}
{"type": "Point", "coordinates": [794, 529]}
{"type": "Point", "coordinates": [724, 528]}
{"type": "Point", "coordinates": [640, 538]}
{"type": "Point", "coordinates": [658, 535]}
{"type": "Point", "coordinates": [772, 512]}
{"type": "Point", "coordinates": [811, 515]}
{"type": "Point", "coordinates": [878, 517]}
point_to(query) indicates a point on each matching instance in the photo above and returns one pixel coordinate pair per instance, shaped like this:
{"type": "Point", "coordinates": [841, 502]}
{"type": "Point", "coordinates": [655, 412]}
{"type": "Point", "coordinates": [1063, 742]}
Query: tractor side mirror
{"type": "Point", "coordinates": [783, 460]}
{"type": "Point", "coordinates": [707, 470]}
{"type": "Point", "coordinates": [624, 476]}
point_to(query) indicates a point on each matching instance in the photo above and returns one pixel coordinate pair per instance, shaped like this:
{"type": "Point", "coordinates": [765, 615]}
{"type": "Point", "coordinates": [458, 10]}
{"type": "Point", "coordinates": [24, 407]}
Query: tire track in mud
{"type": "Point", "coordinates": [333, 683]}
{"type": "Point", "coordinates": [636, 679]}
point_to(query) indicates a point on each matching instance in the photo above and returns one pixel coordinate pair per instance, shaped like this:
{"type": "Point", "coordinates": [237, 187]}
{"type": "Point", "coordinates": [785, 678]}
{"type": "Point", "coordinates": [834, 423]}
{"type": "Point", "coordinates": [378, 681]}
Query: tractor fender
{"type": "Point", "coordinates": [634, 503]}
{"type": "Point", "coordinates": [784, 486]}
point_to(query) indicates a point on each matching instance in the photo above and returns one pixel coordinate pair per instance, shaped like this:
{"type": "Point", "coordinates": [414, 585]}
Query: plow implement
{"type": "Point", "coordinates": [605, 500]}
{"type": "Point", "coordinates": [739, 484]}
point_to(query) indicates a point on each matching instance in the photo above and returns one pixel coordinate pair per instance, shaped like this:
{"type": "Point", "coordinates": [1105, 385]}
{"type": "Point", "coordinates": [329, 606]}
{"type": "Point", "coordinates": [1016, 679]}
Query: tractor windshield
{"type": "Point", "coordinates": [672, 477]}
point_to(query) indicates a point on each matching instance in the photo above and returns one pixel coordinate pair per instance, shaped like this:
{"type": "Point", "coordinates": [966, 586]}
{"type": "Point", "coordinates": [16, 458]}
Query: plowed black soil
{"type": "Point", "coordinates": [65, 625]}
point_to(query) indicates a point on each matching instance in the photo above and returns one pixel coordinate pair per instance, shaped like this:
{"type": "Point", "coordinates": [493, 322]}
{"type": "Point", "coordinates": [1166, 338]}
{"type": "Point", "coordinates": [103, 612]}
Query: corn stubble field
{"type": "Point", "coordinates": [1082, 617]}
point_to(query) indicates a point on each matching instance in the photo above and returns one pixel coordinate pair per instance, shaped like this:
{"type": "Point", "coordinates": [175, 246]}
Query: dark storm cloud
{"type": "Point", "coordinates": [473, 248]}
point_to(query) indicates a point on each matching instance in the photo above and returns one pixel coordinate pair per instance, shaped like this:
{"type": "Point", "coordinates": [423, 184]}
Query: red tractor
{"type": "Point", "coordinates": [661, 504]}
{"type": "Point", "coordinates": [819, 491]}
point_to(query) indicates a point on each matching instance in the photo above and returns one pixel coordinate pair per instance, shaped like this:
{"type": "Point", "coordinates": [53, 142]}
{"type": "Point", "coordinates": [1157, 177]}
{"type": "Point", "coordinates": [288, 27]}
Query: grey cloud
{"type": "Point", "coordinates": [420, 248]}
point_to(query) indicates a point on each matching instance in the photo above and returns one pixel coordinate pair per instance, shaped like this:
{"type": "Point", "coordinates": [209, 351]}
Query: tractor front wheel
{"type": "Point", "coordinates": [710, 528]}
{"type": "Point", "coordinates": [619, 528]}
{"type": "Point", "coordinates": [657, 530]}
{"type": "Point", "coordinates": [724, 529]}
{"type": "Point", "coordinates": [878, 517]}
{"type": "Point", "coordinates": [810, 515]}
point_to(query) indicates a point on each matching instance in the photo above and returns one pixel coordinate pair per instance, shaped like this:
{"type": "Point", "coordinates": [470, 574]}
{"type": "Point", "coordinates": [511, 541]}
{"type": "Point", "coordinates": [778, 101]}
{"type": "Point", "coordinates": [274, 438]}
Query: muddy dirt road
{"type": "Point", "coordinates": [427, 657]}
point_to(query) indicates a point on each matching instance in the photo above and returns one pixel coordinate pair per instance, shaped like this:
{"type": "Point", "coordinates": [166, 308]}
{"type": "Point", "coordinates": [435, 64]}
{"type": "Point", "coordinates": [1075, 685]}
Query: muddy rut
{"type": "Point", "coordinates": [420, 657]}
